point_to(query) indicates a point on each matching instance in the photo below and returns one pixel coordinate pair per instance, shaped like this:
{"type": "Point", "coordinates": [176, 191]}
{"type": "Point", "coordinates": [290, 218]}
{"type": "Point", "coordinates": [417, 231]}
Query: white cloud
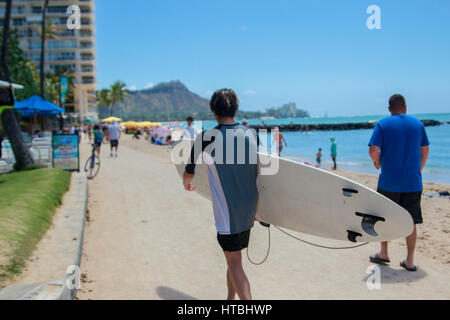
{"type": "Point", "coordinates": [149, 85]}
{"type": "Point", "coordinates": [132, 88]}
{"type": "Point", "coordinates": [249, 92]}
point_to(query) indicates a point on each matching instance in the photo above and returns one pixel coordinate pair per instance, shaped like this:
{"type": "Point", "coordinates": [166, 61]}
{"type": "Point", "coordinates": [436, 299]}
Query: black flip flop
{"type": "Point", "coordinates": [404, 266]}
{"type": "Point", "coordinates": [378, 260]}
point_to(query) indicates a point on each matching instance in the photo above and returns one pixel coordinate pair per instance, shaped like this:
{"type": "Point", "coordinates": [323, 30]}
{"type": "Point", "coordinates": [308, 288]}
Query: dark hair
{"type": "Point", "coordinates": [96, 127]}
{"type": "Point", "coordinates": [224, 103]}
{"type": "Point", "coordinates": [189, 119]}
{"type": "Point", "coordinates": [397, 102]}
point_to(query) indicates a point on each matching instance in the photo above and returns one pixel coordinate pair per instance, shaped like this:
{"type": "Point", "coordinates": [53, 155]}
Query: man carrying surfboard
{"type": "Point", "coordinates": [400, 147]}
{"type": "Point", "coordinates": [232, 176]}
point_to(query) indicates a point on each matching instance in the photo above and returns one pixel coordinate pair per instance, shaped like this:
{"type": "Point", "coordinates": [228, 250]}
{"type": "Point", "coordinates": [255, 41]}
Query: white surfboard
{"type": "Point", "coordinates": [314, 201]}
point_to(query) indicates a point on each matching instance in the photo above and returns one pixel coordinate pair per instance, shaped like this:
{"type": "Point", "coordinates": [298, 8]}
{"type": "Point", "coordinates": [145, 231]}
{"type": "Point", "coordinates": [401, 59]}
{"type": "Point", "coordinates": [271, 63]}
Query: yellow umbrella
{"type": "Point", "coordinates": [130, 124]}
{"type": "Point", "coordinates": [111, 119]}
{"type": "Point", "coordinates": [146, 124]}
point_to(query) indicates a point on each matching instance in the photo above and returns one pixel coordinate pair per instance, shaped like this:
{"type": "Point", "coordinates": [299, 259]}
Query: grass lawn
{"type": "Point", "coordinates": [28, 201]}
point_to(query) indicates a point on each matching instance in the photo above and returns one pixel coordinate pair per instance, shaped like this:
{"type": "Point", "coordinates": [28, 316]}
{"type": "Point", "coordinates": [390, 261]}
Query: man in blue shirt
{"type": "Point", "coordinates": [400, 147]}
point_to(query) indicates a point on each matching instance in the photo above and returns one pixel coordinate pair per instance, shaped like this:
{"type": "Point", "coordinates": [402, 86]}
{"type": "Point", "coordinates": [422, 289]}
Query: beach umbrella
{"type": "Point", "coordinates": [36, 105]}
{"type": "Point", "coordinates": [111, 119]}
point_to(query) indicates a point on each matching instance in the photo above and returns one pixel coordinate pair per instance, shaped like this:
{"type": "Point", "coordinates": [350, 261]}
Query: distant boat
{"type": "Point", "coordinates": [268, 118]}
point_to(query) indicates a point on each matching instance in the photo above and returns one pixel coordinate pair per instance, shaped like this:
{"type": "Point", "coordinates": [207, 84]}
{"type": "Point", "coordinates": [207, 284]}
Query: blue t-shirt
{"type": "Point", "coordinates": [400, 138]}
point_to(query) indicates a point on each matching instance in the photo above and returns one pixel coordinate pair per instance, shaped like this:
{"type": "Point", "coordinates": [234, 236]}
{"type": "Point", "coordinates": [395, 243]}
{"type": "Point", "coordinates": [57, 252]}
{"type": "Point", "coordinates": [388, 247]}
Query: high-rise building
{"type": "Point", "coordinates": [72, 48]}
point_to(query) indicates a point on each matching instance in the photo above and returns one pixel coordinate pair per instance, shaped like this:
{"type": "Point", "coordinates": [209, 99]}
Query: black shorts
{"type": "Point", "coordinates": [408, 200]}
{"type": "Point", "coordinates": [234, 242]}
{"type": "Point", "coordinates": [98, 144]}
{"type": "Point", "coordinates": [114, 143]}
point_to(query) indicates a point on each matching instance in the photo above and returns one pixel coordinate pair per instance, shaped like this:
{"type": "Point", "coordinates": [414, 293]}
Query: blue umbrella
{"type": "Point", "coordinates": [37, 105]}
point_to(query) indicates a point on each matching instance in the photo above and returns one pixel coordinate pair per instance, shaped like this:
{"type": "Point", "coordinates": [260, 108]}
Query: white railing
{"type": "Point", "coordinates": [40, 149]}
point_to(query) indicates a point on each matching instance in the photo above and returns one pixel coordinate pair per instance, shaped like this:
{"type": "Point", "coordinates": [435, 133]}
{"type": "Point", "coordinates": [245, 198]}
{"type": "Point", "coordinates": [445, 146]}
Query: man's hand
{"type": "Point", "coordinates": [424, 153]}
{"type": "Point", "coordinates": [187, 179]}
{"type": "Point", "coordinates": [377, 165]}
{"type": "Point", "coordinates": [375, 155]}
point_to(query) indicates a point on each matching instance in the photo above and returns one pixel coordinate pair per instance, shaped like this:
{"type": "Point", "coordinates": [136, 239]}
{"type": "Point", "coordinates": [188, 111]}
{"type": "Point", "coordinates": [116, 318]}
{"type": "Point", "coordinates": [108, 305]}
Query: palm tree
{"type": "Point", "coordinates": [8, 117]}
{"type": "Point", "coordinates": [104, 98]}
{"type": "Point", "coordinates": [118, 94]}
{"type": "Point", "coordinates": [43, 36]}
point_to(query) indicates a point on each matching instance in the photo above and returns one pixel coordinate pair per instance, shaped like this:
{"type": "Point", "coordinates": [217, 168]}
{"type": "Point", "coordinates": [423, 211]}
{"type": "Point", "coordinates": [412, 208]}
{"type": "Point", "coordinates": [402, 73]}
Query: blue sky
{"type": "Point", "coordinates": [319, 54]}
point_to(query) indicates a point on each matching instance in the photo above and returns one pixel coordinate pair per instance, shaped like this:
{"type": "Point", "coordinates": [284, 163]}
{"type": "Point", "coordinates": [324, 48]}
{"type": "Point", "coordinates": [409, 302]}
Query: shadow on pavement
{"type": "Point", "coordinates": [167, 293]}
{"type": "Point", "coordinates": [390, 275]}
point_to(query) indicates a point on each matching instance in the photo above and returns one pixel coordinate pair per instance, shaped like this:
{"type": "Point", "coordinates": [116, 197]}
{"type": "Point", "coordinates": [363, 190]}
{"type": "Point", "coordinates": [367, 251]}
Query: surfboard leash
{"type": "Point", "coordinates": [268, 251]}
{"type": "Point", "coordinates": [318, 245]}
{"type": "Point", "coordinates": [298, 239]}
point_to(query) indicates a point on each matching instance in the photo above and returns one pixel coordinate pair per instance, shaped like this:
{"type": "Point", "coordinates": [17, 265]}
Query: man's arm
{"type": "Point", "coordinates": [374, 153]}
{"type": "Point", "coordinates": [424, 153]}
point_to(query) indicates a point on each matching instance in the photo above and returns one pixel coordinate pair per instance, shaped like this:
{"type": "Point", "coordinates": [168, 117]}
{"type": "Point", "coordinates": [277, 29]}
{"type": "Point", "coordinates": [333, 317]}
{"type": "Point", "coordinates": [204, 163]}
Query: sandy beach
{"type": "Point", "coordinates": [149, 239]}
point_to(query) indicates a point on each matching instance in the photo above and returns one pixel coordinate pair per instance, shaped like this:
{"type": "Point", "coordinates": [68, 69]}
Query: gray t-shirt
{"type": "Point", "coordinates": [114, 132]}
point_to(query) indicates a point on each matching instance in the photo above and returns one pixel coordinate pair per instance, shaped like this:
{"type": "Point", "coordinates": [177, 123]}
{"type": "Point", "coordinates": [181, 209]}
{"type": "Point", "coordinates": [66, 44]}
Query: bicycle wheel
{"type": "Point", "coordinates": [92, 167]}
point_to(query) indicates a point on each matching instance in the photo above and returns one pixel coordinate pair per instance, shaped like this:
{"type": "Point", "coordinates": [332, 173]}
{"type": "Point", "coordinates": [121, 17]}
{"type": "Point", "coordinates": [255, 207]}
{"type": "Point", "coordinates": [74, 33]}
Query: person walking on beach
{"type": "Point", "coordinates": [98, 138]}
{"type": "Point", "coordinates": [334, 152]}
{"type": "Point", "coordinates": [114, 137]}
{"type": "Point", "coordinates": [399, 147]}
{"type": "Point", "coordinates": [278, 138]}
{"type": "Point", "coordinates": [190, 132]}
{"type": "Point", "coordinates": [233, 185]}
{"type": "Point", "coordinates": [319, 158]}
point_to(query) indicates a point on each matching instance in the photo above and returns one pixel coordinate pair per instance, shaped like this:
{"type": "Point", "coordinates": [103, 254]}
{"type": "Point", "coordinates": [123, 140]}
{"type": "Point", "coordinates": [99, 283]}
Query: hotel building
{"type": "Point", "coordinates": [72, 48]}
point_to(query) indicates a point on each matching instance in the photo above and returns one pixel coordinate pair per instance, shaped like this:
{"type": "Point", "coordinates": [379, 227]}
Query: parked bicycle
{"type": "Point", "coordinates": [92, 166]}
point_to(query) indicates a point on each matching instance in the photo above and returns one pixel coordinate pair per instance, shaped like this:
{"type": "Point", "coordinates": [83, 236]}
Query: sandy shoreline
{"type": "Point", "coordinates": [148, 239]}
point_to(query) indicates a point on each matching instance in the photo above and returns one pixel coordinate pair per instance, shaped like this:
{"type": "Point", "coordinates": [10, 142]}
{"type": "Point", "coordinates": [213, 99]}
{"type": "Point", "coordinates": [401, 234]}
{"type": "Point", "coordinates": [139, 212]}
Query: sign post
{"type": "Point", "coordinates": [66, 152]}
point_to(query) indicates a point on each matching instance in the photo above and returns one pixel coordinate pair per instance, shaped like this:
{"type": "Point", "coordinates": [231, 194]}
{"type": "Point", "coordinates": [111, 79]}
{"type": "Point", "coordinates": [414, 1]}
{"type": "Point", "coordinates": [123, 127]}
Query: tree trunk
{"type": "Point", "coordinates": [12, 130]}
{"type": "Point", "coordinates": [44, 12]}
{"type": "Point", "coordinates": [8, 117]}
{"type": "Point", "coordinates": [6, 23]}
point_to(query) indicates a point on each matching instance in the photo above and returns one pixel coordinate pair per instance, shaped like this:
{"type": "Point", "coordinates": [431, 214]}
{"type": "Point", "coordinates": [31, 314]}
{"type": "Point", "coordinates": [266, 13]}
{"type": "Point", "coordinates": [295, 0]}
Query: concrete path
{"type": "Point", "coordinates": [148, 239]}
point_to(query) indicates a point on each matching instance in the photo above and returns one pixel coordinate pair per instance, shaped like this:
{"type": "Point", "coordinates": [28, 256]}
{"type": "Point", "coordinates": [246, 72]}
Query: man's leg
{"type": "Point", "coordinates": [237, 275]}
{"type": "Point", "coordinates": [411, 245]}
{"type": "Point", "coordinates": [231, 290]}
{"type": "Point", "coordinates": [384, 251]}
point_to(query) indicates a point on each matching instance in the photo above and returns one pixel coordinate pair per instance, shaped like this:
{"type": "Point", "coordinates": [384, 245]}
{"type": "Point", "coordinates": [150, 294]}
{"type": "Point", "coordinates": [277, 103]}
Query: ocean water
{"type": "Point", "coordinates": [352, 145]}
{"type": "Point", "coordinates": [353, 150]}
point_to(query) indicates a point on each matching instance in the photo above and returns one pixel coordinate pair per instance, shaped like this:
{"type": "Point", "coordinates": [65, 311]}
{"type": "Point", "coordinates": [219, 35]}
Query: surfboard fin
{"type": "Point", "coordinates": [368, 223]}
{"type": "Point", "coordinates": [266, 225]}
{"type": "Point", "coordinates": [349, 192]}
{"type": "Point", "coordinates": [352, 235]}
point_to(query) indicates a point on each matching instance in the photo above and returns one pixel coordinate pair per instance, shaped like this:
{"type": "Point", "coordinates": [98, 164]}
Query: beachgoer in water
{"type": "Point", "coordinates": [319, 158]}
{"type": "Point", "coordinates": [278, 138]}
{"type": "Point", "coordinates": [334, 152]}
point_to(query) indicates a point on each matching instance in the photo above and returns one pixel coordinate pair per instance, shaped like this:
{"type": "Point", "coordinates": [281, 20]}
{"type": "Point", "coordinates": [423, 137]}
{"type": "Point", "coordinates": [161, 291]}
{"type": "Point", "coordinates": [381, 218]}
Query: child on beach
{"type": "Point", "coordinates": [98, 138]}
{"type": "Point", "coordinates": [233, 185]}
{"type": "Point", "coordinates": [319, 158]}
